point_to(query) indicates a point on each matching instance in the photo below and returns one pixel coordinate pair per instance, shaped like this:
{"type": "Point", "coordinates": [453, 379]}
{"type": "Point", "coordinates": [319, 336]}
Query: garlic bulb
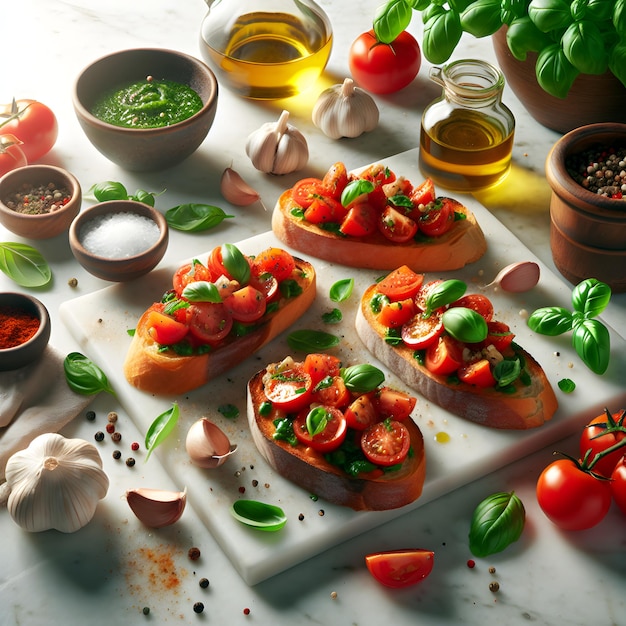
{"type": "Point", "coordinates": [207, 445]}
{"type": "Point", "coordinates": [157, 508]}
{"type": "Point", "coordinates": [345, 111]}
{"type": "Point", "coordinates": [55, 483]}
{"type": "Point", "coordinates": [278, 147]}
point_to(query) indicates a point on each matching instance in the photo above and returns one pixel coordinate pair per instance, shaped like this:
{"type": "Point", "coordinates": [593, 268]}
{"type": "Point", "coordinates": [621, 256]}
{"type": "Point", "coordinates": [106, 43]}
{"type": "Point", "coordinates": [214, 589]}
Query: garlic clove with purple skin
{"type": "Point", "coordinates": [157, 508]}
{"type": "Point", "coordinates": [207, 445]}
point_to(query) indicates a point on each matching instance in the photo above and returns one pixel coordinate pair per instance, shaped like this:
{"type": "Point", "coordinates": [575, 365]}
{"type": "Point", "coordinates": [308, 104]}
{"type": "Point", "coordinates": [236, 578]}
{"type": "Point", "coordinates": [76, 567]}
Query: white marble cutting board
{"type": "Point", "coordinates": [99, 322]}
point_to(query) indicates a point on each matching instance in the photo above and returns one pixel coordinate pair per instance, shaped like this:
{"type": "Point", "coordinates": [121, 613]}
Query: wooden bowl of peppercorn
{"type": "Point", "coordinates": [24, 330]}
{"type": "Point", "coordinates": [39, 201]}
{"type": "Point", "coordinates": [586, 170]}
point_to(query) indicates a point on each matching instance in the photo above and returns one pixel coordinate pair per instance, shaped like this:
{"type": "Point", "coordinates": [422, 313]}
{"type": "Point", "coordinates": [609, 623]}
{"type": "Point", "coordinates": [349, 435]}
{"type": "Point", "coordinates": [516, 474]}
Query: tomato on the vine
{"type": "Point", "coordinates": [11, 154]}
{"type": "Point", "coordinates": [618, 484]}
{"type": "Point", "coordinates": [33, 123]}
{"type": "Point", "coordinates": [597, 436]}
{"type": "Point", "coordinates": [400, 568]}
{"type": "Point", "coordinates": [384, 68]}
{"type": "Point", "coordinates": [571, 497]}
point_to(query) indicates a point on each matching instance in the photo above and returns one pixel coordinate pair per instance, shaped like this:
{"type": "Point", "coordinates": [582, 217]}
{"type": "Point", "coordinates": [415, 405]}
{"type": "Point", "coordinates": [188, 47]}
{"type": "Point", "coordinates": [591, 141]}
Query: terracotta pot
{"type": "Point", "coordinates": [591, 99]}
{"type": "Point", "coordinates": [587, 231]}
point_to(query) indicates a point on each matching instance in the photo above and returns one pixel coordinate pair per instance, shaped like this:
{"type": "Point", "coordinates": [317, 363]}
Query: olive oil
{"type": "Point", "coordinates": [268, 55]}
{"type": "Point", "coordinates": [466, 151]}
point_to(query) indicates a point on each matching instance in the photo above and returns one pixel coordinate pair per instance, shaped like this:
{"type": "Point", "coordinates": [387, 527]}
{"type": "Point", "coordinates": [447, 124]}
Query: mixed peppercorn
{"type": "Point", "coordinates": [600, 170]}
{"type": "Point", "coordinates": [38, 199]}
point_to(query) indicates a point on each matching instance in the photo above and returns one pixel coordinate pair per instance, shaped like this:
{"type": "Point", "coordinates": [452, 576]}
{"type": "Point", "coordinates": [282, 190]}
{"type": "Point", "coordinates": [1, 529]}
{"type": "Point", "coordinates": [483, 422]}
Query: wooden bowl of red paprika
{"type": "Point", "coordinates": [24, 330]}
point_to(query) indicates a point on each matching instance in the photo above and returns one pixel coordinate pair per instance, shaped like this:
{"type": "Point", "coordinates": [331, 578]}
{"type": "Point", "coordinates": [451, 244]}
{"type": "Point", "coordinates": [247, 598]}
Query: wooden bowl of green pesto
{"type": "Point", "coordinates": [146, 109]}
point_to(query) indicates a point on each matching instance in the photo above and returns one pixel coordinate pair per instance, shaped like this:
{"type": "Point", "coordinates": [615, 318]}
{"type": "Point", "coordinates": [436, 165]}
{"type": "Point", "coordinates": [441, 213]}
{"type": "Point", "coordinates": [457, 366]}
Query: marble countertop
{"type": "Point", "coordinates": [113, 568]}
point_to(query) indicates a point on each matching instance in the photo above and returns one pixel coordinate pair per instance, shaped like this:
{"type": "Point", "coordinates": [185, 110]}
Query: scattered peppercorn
{"type": "Point", "coordinates": [242, 489]}
{"type": "Point", "coordinates": [471, 563]}
{"type": "Point", "coordinates": [204, 583]}
{"type": "Point", "coordinates": [255, 483]}
{"type": "Point", "coordinates": [198, 607]}
{"type": "Point", "coordinates": [333, 595]}
{"type": "Point", "coordinates": [73, 282]}
{"type": "Point", "coordinates": [146, 610]}
{"type": "Point", "coordinates": [246, 611]}
{"type": "Point", "coordinates": [194, 553]}
{"type": "Point", "coordinates": [110, 428]}
{"type": "Point", "coordinates": [130, 461]}
{"type": "Point", "coordinates": [112, 417]}
{"type": "Point", "coordinates": [116, 436]}
{"type": "Point", "coordinates": [492, 570]}
{"type": "Point", "coordinates": [99, 436]}
{"type": "Point", "coordinates": [117, 454]}
{"type": "Point", "coordinates": [301, 516]}
{"type": "Point", "coordinates": [90, 415]}
{"type": "Point", "coordinates": [321, 513]}
{"type": "Point", "coordinates": [494, 586]}
{"type": "Point", "coordinates": [134, 446]}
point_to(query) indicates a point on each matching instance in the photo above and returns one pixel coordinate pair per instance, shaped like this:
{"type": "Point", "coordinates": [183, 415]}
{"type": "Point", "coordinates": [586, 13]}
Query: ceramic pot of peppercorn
{"type": "Point", "coordinates": [39, 201]}
{"type": "Point", "coordinates": [586, 170]}
{"type": "Point", "coordinates": [24, 330]}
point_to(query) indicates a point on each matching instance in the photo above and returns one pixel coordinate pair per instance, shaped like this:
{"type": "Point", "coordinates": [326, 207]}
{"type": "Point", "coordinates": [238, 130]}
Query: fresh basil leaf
{"type": "Point", "coordinates": [497, 522]}
{"type": "Point", "coordinates": [332, 317]}
{"type": "Point", "coordinates": [551, 321]}
{"type": "Point", "coordinates": [354, 189]}
{"type": "Point", "coordinates": [465, 324]}
{"type": "Point", "coordinates": [236, 263]}
{"type": "Point", "coordinates": [391, 19]}
{"type": "Point", "coordinates": [108, 190]}
{"type": "Point", "coordinates": [592, 343]}
{"type": "Point", "coordinates": [24, 265]}
{"type": "Point", "coordinates": [342, 289]}
{"type": "Point", "coordinates": [284, 431]}
{"type": "Point", "coordinates": [507, 371]}
{"type": "Point", "coordinates": [147, 197]}
{"type": "Point", "coordinates": [591, 297]}
{"type": "Point", "coordinates": [161, 428]}
{"type": "Point", "coordinates": [311, 340]}
{"type": "Point", "coordinates": [83, 376]}
{"type": "Point", "coordinates": [401, 201]}
{"type": "Point", "coordinates": [259, 515]}
{"type": "Point", "coordinates": [377, 302]}
{"type": "Point", "coordinates": [442, 33]}
{"type": "Point", "coordinates": [201, 291]}
{"type": "Point", "coordinates": [566, 385]}
{"type": "Point", "coordinates": [195, 217]}
{"type": "Point", "coordinates": [482, 18]}
{"type": "Point", "coordinates": [362, 378]}
{"type": "Point", "coordinates": [228, 410]}
{"type": "Point", "coordinates": [444, 293]}
{"type": "Point", "coordinates": [317, 420]}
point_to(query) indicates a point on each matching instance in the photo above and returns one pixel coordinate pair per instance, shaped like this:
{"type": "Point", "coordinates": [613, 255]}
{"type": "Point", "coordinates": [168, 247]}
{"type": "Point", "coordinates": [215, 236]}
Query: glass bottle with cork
{"type": "Point", "coordinates": [466, 138]}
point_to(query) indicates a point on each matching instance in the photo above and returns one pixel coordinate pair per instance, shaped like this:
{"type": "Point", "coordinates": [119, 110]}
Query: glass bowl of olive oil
{"type": "Point", "coordinates": [266, 49]}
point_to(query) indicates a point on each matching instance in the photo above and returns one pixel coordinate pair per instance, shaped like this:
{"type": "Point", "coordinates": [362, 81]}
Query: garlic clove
{"type": "Point", "coordinates": [157, 508]}
{"type": "Point", "coordinates": [207, 445]}
{"type": "Point", "coordinates": [236, 190]}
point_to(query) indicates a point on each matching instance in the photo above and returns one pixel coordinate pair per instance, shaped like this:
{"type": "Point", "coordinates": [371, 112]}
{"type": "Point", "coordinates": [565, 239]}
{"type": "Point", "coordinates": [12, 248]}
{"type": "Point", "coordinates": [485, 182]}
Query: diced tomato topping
{"type": "Point", "coordinates": [423, 194]}
{"type": "Point", "coordinates": [393, 403]}
{"type": "Point", "coordinates": [499, 335]}
{"type": "Point", "coordinates": [438, 220]}
{"type": "Point", "coordinates": [325, 210]}
{"type": "Point", "coordinates": [246, 304]}
{"type": "Point", "coordinates": [421, 331]}
{"type": "Point", "coordinates": [164, 329]}
{"type": "Point", "coordinates": [189, 273]}
{"type": "Point", "coordinates": [361, 413]}
{"type": "Point", "coordinates": [477, 373]}
{"type": "Point", "coordinates": [275, 261]}
{"type": "Point", "coordinates": [319, 366]}
{"type": "Point", "coordinates": [444, 357]}
{"type": "Point", "coordinates": [402, 283]}
{"type": "Point", "coordinates": [396, 226]}
{"type": "Point", "coordinates": [477, 302]}
{"type": "Point", "coordinates": [331, 392]}
{"type": "Point", "coordinates": [335, 180]}
{"type": "Point", "coordinates": [306, 190]}
{"type": "Point", "coordinates": [360, 221]}
{"type": "Point", "coordinates": [395, 314]}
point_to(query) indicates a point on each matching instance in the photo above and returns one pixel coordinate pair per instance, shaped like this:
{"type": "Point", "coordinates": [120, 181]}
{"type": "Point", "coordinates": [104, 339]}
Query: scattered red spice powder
{"type": "Point", "coordinates": [16, 326]}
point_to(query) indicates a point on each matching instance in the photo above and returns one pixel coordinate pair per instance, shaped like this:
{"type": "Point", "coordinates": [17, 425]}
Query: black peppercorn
{"type": "Point", "coordinates": [198, 607]}
{"type": "Point", "coordinates": [99, 436]}
{"type": "Point", "coordinates": [204, 583]}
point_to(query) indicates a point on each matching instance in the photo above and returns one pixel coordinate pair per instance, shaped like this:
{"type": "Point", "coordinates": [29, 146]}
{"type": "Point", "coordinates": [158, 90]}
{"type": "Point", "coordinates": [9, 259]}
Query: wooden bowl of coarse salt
{"type": "Point", "coordinates": [119, 240]}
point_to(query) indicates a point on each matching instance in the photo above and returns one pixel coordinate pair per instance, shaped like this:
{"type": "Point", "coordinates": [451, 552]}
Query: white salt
{"type": "Point", "coordinates": [119, 235]}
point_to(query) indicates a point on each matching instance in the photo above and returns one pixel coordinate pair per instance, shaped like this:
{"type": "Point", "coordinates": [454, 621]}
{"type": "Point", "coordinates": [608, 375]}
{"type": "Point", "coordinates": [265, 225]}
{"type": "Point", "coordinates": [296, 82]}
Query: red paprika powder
{"type": "Point", "coordinates": [16, 326]}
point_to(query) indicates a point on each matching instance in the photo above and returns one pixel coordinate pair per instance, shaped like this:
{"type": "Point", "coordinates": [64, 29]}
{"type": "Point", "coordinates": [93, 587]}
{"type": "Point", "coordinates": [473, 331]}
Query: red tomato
{"type": "Point", "coordinates": [597, 437]}
{"type": "Point", "coordinates": [215, 263]}
{"type": "Point", "coordinates": [477, 302]}
{"type": "Point", "coordinates": [335, 180]}
{"type": "Point", "coordinates": [400, 568]}
{"type": "Point", "coordinates": [246, 304]}
{"type": "Point", "coordinates": [361, 220]}
{"type": "Point", "coordinates": [325, 209]}
{"type": "Point", "coordinates": [396, 314]}
{"type": "Point", "coordinates": [265, 283]}
{"type": "Point", "coordinates": [11, 154]}
{"type": "Point", "coordinates": [333, 393]}
{"type": "Point", "coordinates": [424, 194]}
{"type": "Point", "coordinates": [289, 389]}
{"type": "Point", "coordinates": [209, 322]}
{"type": "Point", "coordinates": [384, 68]}
{"type": "Point", "coordinates": [380, 176]}
{"type": "Point", "coordinates": [319, 366]}
{"type": "Point", "coordinates": [444, 357]}
{"type": "Point", "coordinates": [165, 329]}
{"type": "Point", "coordinates": [33, 123]}
{"type": "Point", "coordinates": [396, 226]}
{"type": "Point", "coordinates": [332, 432]}
{"type": "Point", "coordinates": [361, 413]}
{"type": "Point", "coordinates": [438, 220]}
{"type": "Point", "coordinates": [275, 261]}
{"type": "Point", "coordinates": [401, 283]}
{"type": "Point", "coordinates": [477, 373]}
{"type": "Point", "coordinates": [572, 498]}
{"type": "Point", "coordinates": [306, 190]}
{"type": "Point", "coordinates": [395, 404]}
{"type": "Point", "coordinates": [499, 335]}
{"type": "Point", "coordinates": [618, 484]}
{"type": "Point", "coordinates": [386, 443]}
{"type": "Point", "coordinates": [190, 273]}
{"type": "Point", "coordinates": [424, 292]}
{"type": "Point", "coordinates": [420, 331]}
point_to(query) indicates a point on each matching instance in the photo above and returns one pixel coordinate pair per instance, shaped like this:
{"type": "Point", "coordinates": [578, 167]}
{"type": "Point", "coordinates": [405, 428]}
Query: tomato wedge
{"type": "Point", "coordinates": [386, 443]}
{"type": "Point", "coordinates": [438, 220]}
{"type": "Point", "coordinates": [335, 180]}
{"type": "Point", "coordinates": [361, 413]}
{"type": "Point", "coordinates": [477, 373]}
{"type": "Point", "coordinates": [423, 194]}
{"type": "Point", "coordinates": [209, 322]}
{"type": "Point", "coordinates": [330, 428]}
{"type": "Point", "coordinates": [331, 392]}
{"type": "Point", "coordinates": [402, 283]}
{"type": "Point", "coordinates": [420, 331]}
{"type": "Point", "coordinates": [395, 314]}
{"type": "Point", "coordinates": [400, 568]}
{"type": "Point", "coordinates": [319, 366]}
{"type": "Point", "coordinates": [394, 403]}
{"type": "Point", "coordinates": [275, 261]}
{"type": "Point", "coordinates": [444, 357]}
{"type": "Point", "coordinates": [190, 273]}
{"type": "Point", "coordinates": [164, 329]}
{"type": "Point", "coordinates": [325, 210]}
{"type": "Point", "coordinates": [289, 389]}
{"type": "Point", "coordinates": [477, 302]}
{"type": "Point", "coordinates": [246, 304]}
{"type": "Point", "coordinates": [361, 220]}
{"type": "Point", "coordinates": [306, 190]}
{"type": "Point", "coordinates": [396, 226]}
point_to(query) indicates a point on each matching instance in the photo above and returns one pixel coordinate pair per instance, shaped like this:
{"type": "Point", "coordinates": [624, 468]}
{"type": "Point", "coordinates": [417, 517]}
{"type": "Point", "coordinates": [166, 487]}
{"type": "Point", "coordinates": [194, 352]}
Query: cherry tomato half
{"type": "Point", "coordinates": [477, 373]}
{"type": "Point", "coordinates": [396, 226]}
{"type": "Point", "coordinates": [164, 329]}
{"type": "Point", "coordinates": [289, 389]}
{"type": "Point", "coordinates": [209, 322]}
{"type": "Point", "coordinates": [361, 413]}
{"type": "Point", "coordinates": [332, 429]}
{"type": "Point", "coordinates": [384, 68]}
{"type": "Point", "coordinates": [306, 190]}
{"type": "Point", "coordinates": [571, 498]}
{"type": "Point", "coordinates": [246, 304]}
{"type": "Point", "coordinates": [420, 331]}
{"type": "Point", "coordinates": [402, 283]}
{"type": "Point", "coordinates": [596, 438]}
{"type": "Point", "coordinates": [275, 261]}
{"type": "Point", "coordinates": [477, 302]}
{"type": "Point", "coordinates": [444, 357]}
{"type": "Point", "coordinates": [400, 568]}
{"type": "Point", "coordinates": [386, 443]}
{"type": "Point", "coordinates": [438, 220]}
{"type": "Point", "coordinates": [394, 403]}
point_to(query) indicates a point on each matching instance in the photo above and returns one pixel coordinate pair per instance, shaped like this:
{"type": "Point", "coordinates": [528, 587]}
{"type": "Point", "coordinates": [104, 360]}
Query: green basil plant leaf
{"type": "Point", "coordinates": [482, 18]}
{"type": "Point", "coordinates": [592, 343]}
{"type": "Point", "coordinates": [236, 263]}
{"type": "Point", "coordinates": [591, 297]}
{"type": "Point", "coordinates": [550, 15]}
{"type": "Point", "coordinates": [259, 515]}
{"type": "Point", "coordinates": [311, 341]}
{"type": "Point", "coordinates": [523, 36]}
{"type": "Point", "coordinates": [555, 74]}
{"type": "Point", "coordinates": [24, 265]}
{"type": "Point", "coordinates": [442, 33]}
{"type": "Point", "coordinates": [108, 190]}
{"type": "Point", "coordinates": [497, 522]}
{"type": "Point", "coordinates": [201, 291]}
{"type": "Point", "coordinates": [551, 321]}
{"type": "Point", "coordinates": [147, 197]}
{"type": "Point", "coordinates": [444, 293]}
{"type": "Point", "coordinates": [161, 428]}
{"type": "Point", "coordinates": [83, 376]}
{"type": "Point", "coordinates": [391, 19]}
{"type": "Point", "coordinates": [465, 324]}
{"type": "Point", "coordinates": [195, 217]}
{"type": "Point", "coordinates": [342, 290]}
{"type": "Point", "coordinates": [584, 48]}
{"type": "Point", "coordinates": [362, 378]}
{"type": "Point", "coordinates": [355, 189]}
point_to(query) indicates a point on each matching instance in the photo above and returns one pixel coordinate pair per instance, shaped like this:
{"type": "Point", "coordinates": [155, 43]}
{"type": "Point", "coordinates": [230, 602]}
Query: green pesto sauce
{"type": "Point", "coordinates": [149, 103]}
